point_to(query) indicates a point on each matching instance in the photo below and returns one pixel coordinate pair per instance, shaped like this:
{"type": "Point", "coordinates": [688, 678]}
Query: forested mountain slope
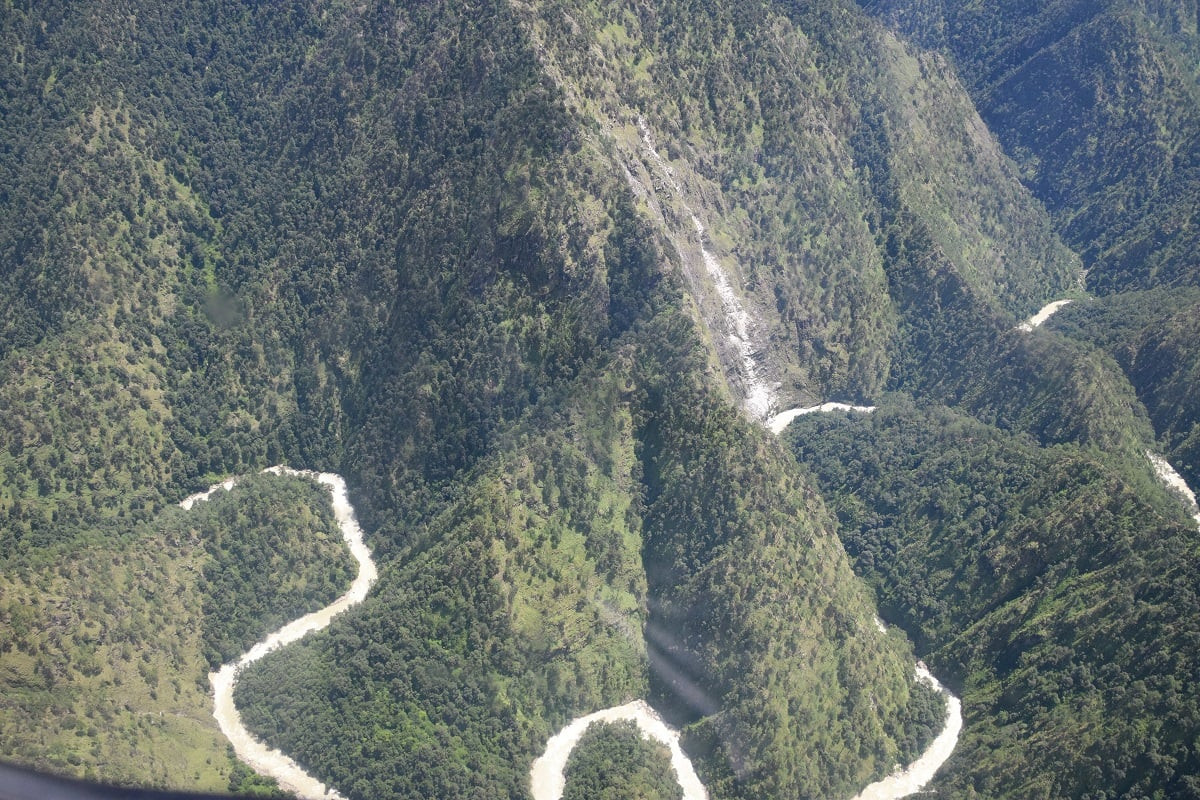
{"type": "Point", "coordinates": [954, 350]}
{"type": "Point", "coordinates": [106, 643]}
{"type": "Point", "coordinates": [590, 773]}
{"type": "Point", "coordinates": [1099, 104]}
{"type": "Point", "coordinates": [391, 242]}
{"type": "Point", "coordinates": [795, 139]}
{"type": "Point", "coordinates": [486, 260]}
{"type": "Point", "coordinates": [1153, 335]}
{"type": "Point", "coordinates": [1056, 587]}
{"type": "Point", "coordinates": [922, 245]}
{"type": "Point", "coordinates": [544, 553]}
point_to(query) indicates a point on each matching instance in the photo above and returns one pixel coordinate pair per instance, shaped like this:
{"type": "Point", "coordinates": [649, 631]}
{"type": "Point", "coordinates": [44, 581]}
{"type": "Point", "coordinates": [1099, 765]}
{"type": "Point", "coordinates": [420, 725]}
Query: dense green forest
{"type": "Point", "coordinates": [1153, 336]}
{"type": "Point", "coordinates": [275, 555]}
{"type": "Point", "coordinates": [1056, 588]}
{"type": "Point", "coordinates": [798, 139]}
{"type": "Point", "coordinates": [613, 762]}
{"type": "Point", "coordinates": [955, 351]}
{"type": "Point", "coordinates": [546, 574]}
{"type": "Point", "coordinates": [1098, 103]}
{"type": "Point", "coordinates": [459, 253]}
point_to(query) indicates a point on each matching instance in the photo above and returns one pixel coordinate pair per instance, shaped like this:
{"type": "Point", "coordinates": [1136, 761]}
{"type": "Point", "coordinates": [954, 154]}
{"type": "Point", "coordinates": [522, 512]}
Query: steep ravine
{"type": "Point", "coordinates": [736, 326]}
{"type": "Point", "coordinates": [1162, 468]}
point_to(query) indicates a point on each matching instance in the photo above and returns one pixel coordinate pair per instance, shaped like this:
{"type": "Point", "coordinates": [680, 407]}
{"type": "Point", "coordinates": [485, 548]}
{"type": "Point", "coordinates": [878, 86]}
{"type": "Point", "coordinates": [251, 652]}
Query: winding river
{"type": "Point", "coordinates": [547, 779]}
{"type": "Point", "coordinates": [778, 422]}
{"type": "Point", "coordinates": [1167, 474]}
{"type": "Point", "coordinates": [547, 772]}
{"type": "Point", "coordinates": [258, 756]}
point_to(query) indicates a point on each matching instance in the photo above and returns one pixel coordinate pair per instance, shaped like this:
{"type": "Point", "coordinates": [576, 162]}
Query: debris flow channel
{"type": "Point", "coordinates": [547, 778]}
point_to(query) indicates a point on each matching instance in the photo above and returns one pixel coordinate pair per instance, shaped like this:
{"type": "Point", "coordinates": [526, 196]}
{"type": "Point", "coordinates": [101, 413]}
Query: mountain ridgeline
{"type": "Point", "coordinates": [484, 259]}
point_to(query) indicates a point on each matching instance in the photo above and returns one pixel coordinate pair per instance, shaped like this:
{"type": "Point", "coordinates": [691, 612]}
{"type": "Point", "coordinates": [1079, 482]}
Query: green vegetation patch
{"type": "Point", "coordinates": [613, 762]}
{"type": "Point", "coordinates": [275, 553]}
{"type": "Point", "coordinates": [1098, 103]}
{"type": "Point", "coordinates": [1153, 336]}
{"type": "Point", "coordinates": [106, 644]}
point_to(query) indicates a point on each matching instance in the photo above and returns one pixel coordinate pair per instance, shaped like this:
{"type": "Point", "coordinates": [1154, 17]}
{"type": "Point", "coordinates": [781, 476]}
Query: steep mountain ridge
{"type": "Point", "coordinates": [794, 159]}
{"type": "Point", "coordinates": [409, 259]}
{"type": "Point", "coordinates": [516, 269]}
{"type": "Point", "coordinates": [566, 610]}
